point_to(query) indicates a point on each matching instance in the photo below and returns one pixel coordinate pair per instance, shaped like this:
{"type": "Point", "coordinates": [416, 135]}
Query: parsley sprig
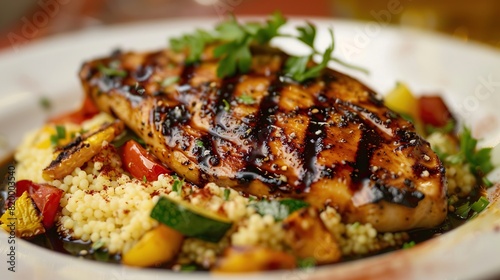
{"type": "Point", "coordinates": [479, 160]}
{"type": "Point", "coordinates": [195, 42]}
{"type": "Point", "coordinates": [233, 41]}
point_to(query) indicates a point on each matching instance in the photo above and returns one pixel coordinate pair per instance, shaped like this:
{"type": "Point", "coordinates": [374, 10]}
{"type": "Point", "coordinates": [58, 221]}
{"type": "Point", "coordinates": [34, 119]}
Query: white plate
{"type": "Point", "coordinates": [467, 75]}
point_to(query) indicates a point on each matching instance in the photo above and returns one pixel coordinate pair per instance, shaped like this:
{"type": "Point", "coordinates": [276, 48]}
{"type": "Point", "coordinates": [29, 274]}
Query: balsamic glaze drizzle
{"type": "Point", "coordinates": [313, 146]}
{"type": "Point", "coordinates": [264, 126]}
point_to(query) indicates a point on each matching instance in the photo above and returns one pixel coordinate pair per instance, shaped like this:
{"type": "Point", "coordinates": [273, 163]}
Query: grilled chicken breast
{"type": "Point", "coordinates": [329, 141]}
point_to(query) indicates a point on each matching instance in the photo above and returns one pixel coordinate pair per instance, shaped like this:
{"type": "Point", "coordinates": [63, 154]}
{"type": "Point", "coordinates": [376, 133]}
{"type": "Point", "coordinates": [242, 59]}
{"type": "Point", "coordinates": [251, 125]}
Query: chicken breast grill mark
{"type": "Point", "coordinates": [329, 141]}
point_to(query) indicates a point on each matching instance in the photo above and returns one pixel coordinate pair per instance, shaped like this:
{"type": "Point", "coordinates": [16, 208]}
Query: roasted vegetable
{"type": "Point", "coordinates": [248, 259]}
{"type": "Point", "coordinates": [81, 150]}
{"type": "Point", "coordinates": [157, 246]}
{"type": "Point", "coordinates": [308, 237]}
{"type": "Point", "coordinates": [140, 163]}
{"type": "Point", "coordinates": [46, 198]}
{"type": "Point", "coordinates": [402, 101]}
{"type": "Point", "coordinates": [190, 220]}
{"type": "Point", "coordinates": [433, 111]}
{"type": "Point", "coordinates": [23, 218]}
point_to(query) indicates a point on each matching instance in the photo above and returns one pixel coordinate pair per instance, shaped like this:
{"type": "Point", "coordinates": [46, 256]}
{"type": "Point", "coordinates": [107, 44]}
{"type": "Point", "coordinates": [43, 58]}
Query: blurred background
{"type": "Point", "coordinates": [23, 21]}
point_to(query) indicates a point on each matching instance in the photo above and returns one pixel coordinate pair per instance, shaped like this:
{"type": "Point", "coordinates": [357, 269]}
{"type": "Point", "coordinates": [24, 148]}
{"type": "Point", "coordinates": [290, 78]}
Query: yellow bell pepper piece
{"type": "Point", "coordinates": [402, 101]}
{"type": "Point", "coordinates": [44, 134]}
{"type": "Point", "coordinates": [23, 218]}
{"type": "Point", "coordinates": [49, 130]}
{"type": "Point", "coordinates": [157, 246]}
{"type": "Point", "coordinates": [81, 150]}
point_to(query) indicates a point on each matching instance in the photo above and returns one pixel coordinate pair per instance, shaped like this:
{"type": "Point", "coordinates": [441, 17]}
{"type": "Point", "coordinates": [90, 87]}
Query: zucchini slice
{"type": "Point", "coordinates": [190, 220]}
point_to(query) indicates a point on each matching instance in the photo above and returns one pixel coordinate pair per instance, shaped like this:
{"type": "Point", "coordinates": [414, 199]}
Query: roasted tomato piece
{"type": "Point", "coordinates": [25, 186]}
{"type": "Point", "coordinates": [432, 110]}
{"type": "Point", "coordinates": [140, 163]}
{"type": "Point", "coordinates": [87, 111]}
{"type": "Point", "coordinates": [46, 198]}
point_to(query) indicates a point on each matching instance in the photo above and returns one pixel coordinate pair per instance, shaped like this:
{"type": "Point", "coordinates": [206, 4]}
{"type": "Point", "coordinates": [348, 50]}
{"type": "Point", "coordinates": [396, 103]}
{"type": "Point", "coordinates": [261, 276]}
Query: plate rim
{"type": "Point", "coordinates": [320, 20]}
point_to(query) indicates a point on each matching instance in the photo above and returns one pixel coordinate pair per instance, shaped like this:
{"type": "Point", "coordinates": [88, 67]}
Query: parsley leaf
{"type": "Point", "coordinates": [177, 186]}
{"type": "Point", "coordinates": [61, 131]}
{"type": "Point", "coordinates": [306, 263]}
{"type": "Point", "coordinates": [297, 69]}
{"type": "Point", "coordinates": [236, 56]}
{"type": "Point", "coordinates": [477, 207]}
{"type": "Point", "coordinates": [449, 127]}
{"type": "Point", "coordinates": [479, 160]}
{"type": "Point", "coordinates": [111, 71]}
{"type": "Point", "coordinates": [188, 267]}
{"type": "Point", "coordinates": [279, 209]}
{"type": "Point", "coordinates": [60, 134]}
{"type": "Point", "coordinates": [227, 192]}
{"type": "Point", "coordinates": [227, 106]}
{"type": "Point", "coordinates": [296, 65]}
{"type": "Point", "coordinates": [125, 136]}
{"type": "Point", "coordinates": [314, 71]}
{"type": "Point", "coordinates": [409, 245]}
{"type": "Point", "coordinates": [97, 245]}
{"type": "Point", "coordinates": [45, 103]}
{"type": "Point", "coordinates": [54, 141]}
{"type": "Point", "coordinates": [230, 30]}
{"type": "Point", "coordinates": [480, 204]}
{"type": "Point", "coordinates": [102, 255]}
{"type": "Point", "coordinates": [246, 99]}
{"type": "Point", "coordinates": [407, 117]}
{"type": "Point", "coordinates": [487, 183]}
{"type": "Point", "coordinates": [293, 204]}
{"type": "Point", "coordinates": [269, 31]}
{"type": "Point", "coordinates": [463, 210]}
{"type": "Point", "coordinates": [307, 34]}
{"type": "Point", "coordinates": [99, 252]}
{"type": "Point", "coordinates": [195, 44]}
{"type": "Point", "coordinates": [199, 143]}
